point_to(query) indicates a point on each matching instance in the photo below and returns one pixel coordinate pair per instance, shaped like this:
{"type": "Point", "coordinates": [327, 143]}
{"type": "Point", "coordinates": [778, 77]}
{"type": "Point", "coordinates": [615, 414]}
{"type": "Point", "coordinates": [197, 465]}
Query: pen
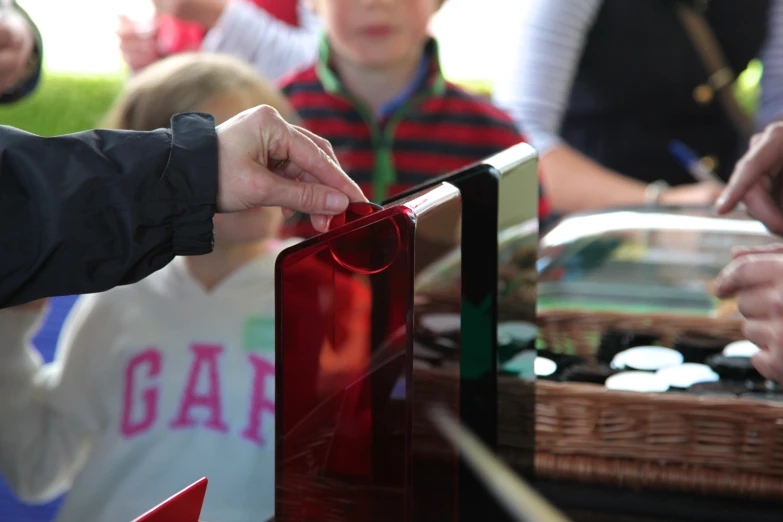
{"type": "Point", "coordinates": [691, 162]}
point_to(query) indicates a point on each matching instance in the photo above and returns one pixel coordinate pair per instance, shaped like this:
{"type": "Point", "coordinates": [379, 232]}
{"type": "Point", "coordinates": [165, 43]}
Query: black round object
{"type": "Point", "coordinates": [695, 347]}
{"type": "Point", "coordinates": [563, 361]}
{"type": "Point", "coordinates": [720, 388]}
{"type": "Point", "coordinates": [763, 396]}
{"type": "Point", "coordinates": [616, 341]}
{"type": "Point", "coordinates": [588, 373]}
{"type": "Point", "coordinates": [734, 368]}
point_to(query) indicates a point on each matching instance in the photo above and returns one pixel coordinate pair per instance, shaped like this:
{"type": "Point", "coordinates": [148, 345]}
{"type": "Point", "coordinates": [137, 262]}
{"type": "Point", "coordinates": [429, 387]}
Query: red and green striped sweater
{"type": "Point", "coordinates": [435, 129]}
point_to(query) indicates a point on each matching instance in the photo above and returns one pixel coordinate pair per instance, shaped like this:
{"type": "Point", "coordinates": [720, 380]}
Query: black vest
{"type": "Point", "coordinates": [634, 89]}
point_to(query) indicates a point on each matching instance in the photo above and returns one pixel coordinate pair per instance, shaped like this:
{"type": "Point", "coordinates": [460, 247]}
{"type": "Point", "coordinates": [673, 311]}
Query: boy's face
{"type": "Point", "coordinates": [376, 33]}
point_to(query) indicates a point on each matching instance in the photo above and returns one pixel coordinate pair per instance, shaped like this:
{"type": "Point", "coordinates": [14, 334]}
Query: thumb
{"type": "Point", "coordinates": [309, 198]}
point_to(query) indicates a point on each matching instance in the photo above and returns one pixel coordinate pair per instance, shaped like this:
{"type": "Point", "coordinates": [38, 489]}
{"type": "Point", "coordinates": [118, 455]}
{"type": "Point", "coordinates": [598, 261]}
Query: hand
{"type": "Point", "coordinates": [756, 280]}
{"type": "Point", "coordinates": [203, 12]}
{"type": "Point", "coordinates": [704, 193]}
{"type": "Point", "coordinates": [16, 45]}
{"type": "Point", "coordinates": [265, 161]}
{"type": "Point", "coordinates": [753, 180]}
{"type": "Point", "coordinates": [139, 48]}
{"type": "Point", "coordinates": [738, 252]}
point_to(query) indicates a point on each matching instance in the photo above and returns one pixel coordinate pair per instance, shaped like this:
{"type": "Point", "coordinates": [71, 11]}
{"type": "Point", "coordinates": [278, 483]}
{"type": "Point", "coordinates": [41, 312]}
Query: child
{"type": "Point", "coordinates": [377, 93]}
{"type": "Point", "coordinates": [276, 36]}
{"type": "Point", "coordinates": [157, 384]}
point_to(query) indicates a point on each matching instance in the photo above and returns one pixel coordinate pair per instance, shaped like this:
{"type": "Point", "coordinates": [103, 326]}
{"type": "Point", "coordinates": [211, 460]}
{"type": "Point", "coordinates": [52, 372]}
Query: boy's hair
{"type": "Point", "coordinates": [183, 83]}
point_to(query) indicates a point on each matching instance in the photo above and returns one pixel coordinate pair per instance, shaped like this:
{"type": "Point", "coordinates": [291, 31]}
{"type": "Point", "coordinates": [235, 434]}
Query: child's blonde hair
{"type": "Point", "coordinates": [183, 83]}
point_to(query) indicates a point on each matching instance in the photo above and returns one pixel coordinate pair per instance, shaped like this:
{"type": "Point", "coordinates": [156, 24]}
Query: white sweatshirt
{"type": "Point", "coordinates": [273, 47]}
{"type": "Point", "coordinates": [153, 386]}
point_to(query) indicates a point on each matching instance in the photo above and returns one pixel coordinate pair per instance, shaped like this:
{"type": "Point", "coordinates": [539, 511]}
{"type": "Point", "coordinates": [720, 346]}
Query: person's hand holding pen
{"type": "Point", "coordinates": [707, 181]}
{"type": "Point", "coordinates": [756, 180]}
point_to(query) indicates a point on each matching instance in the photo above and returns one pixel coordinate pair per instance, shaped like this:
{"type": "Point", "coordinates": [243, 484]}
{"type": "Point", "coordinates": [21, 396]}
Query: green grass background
{"type": "Point", "coordinates": [63, 103]}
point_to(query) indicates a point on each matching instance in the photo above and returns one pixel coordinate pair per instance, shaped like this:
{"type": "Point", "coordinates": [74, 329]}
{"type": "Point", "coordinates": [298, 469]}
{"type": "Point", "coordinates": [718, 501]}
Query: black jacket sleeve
{"type": "Point", "coordinates": [33, 75]}
{"type": "Point", "coordinates": [85, 212]}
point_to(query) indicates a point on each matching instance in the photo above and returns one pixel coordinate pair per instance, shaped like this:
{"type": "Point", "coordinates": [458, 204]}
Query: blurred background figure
{"type": "Point", "coordinates": [605, 88]}
{"type": "Point", "coordinates": [379, 95]}
{"type": "Point", "coordinates": [276, 36]}
{"type": "Point", "coordinates": [159, 381]}
{"type": "Point", "coordinates": [20, 53]}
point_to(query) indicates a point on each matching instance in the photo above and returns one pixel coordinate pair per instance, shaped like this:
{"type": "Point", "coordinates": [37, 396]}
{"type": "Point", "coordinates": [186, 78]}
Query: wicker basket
{"type": "Point", "coordinates": [579, 332]}
{"type": "Point", "coordinates": [673, 441]}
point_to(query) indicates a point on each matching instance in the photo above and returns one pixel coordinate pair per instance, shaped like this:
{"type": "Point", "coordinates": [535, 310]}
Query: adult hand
{"type": "Point", "coordinates": [265, 161]}
{"type": "Point", "coordinates": [756, 280]}
{"type": "Point", "coordinates": [755, 177]}
{"type": "Point", "coordinates": [203, 12]}
{"type": "Point", "coordinates": [738, 252]}
{"type": "Point", "coordinates": [704, 193]}
{"type": "Point", "coordinates": [16, 45]}
{"type": "Point", "coordinates": [139, 47]}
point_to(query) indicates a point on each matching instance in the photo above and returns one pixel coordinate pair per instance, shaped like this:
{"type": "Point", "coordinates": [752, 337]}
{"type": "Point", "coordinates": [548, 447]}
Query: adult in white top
{"type": "Point", "coordinates": [600, 87]}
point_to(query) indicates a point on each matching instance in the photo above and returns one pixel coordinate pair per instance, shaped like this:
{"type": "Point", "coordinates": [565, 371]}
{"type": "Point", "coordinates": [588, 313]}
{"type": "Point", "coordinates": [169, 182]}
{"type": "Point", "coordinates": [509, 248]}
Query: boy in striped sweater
{"type": "Point", "coordinates": [378, 95]}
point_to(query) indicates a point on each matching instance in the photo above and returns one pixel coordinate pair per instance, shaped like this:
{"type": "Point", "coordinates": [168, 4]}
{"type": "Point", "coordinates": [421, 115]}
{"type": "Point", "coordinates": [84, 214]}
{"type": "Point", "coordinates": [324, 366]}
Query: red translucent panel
{"type": "Point", "coordinates": [350, 387]}
{"type": "Point", "coordinates": [185, 506]}
{"type": "Point", "coordinates": [368, 250]}
{"type": "Point", "coordinates": [344, 438]}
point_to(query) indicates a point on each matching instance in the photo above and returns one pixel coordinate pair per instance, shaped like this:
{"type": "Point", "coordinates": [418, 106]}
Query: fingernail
{"type": "Point", "coordinates": [336, 202]}
{"type": "Point", "coordinates": [721, 201]}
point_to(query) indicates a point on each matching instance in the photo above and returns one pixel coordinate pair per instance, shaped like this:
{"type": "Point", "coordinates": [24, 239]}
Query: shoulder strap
{"type": "Point", "coordinates": [721, 76]}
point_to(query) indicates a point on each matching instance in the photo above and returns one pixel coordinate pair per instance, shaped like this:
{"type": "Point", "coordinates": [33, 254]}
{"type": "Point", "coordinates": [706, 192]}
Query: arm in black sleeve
{"type": "Point", "coordinates": [86, 212]}
{"type": "Point", "coordinates": [32, 75]}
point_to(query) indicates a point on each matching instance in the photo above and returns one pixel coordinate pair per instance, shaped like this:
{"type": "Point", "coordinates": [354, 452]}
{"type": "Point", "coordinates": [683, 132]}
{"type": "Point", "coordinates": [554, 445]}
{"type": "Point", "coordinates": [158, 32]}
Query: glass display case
{"type": "Point", "coordinates": [644, 259]}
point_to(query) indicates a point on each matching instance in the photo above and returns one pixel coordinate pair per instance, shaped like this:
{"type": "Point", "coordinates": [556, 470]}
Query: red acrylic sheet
{"type": "Point", "coordinates": [185, 506]}
{"type": "Point", "coordinates": [346, 448]}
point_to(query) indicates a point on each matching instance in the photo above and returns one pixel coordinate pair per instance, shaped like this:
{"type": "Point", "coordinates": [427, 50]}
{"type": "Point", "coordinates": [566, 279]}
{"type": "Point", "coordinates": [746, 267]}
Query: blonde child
{"type": "Point", "coordinates": [156, 384]}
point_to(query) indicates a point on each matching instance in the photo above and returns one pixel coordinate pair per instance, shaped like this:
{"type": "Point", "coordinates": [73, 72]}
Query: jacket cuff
{"type": "Point", "coordinates": [192, 174]}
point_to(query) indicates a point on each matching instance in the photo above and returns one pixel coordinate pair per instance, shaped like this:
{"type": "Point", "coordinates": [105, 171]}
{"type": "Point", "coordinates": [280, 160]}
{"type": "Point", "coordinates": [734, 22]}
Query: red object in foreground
{"type": "Point", "coordinates": [345, 386]}
{"type": "Point", "coordinates": [185, 506]}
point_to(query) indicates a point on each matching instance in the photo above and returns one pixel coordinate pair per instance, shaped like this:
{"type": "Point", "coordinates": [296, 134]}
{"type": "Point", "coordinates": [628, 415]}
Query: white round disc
{"type": "Point", "coordinates": [648, 358]}
{"type": "Point", "coordinates": [741, 349]}
{"type": "Point", "coordinates": [688, 374]}
{"type": "Point", "coordinates": [643, 382]}
{"type": "Point", "coordinates": [544, 367]}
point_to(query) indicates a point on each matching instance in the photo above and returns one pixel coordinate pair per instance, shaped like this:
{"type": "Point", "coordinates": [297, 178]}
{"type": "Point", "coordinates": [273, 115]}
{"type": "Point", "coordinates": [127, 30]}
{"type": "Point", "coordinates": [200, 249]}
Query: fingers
{"type": "Point", "coordinates": [322, 143]}
{"type": "Point", "coordinates": [738, 252]}
{"type": "Point", "coordinates": [763, 159]}
{"type": "Point", "coordinates": [761, 302]}
{"type": "Point", "coordinates": [320, 223]}
{"type": "Point", "coordinates": [748, 271]}
{"type": "Point", "coordinates": [309, 157]}
{"type": "Point", "coordinates": [310, 198]}
{"type": "Point", "coordinates": [761, 206]}
{"type": "Point", "coordinates": [768, 365]}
